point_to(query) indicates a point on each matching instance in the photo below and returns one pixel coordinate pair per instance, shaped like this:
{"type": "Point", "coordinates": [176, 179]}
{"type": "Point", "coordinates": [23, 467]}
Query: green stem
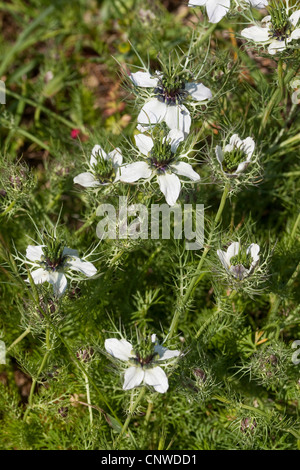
{"type": "Point", "coordinates": [133, 408]}
{"type": "Point", "coordinates": [198, 274]}
{"type": "Point", "coordinates": [25, 333]}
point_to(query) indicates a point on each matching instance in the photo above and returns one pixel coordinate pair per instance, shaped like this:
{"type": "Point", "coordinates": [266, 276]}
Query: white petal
{"type": "Point", "coordinates": [34, 253]}
{"type": "Point", "coordinates": [59, 282]}
{"type": "Point", "coordinates": [296, 34]}
{"type": "Point", "coordinates": [235, 142]}
{"type": "Point", "coordinates": [185, 169]}
{"type": "Point", "coordinates": [256, 33]}
{"type": "Point", "coordinates": [277, 46]}
{"type": "Point", "coordinates": [219, 155]}
{"type": "Point", "coordinates": [134, 171]}
{"type": "Point", "coordinates": [258, 3]}
{"type": "Point", "coordinates": [133, 377]}
{"type": "Point", "coordinates": [70, 252]}
{"type": "Point", "coordinates": [232, 251]}
{"type": "Point", "coordinates": [152, 112]}
{"type": "Point", "coordinates": [241, 167]}
{"type": "Point", "coordinates": [143, 79]}
{"type": "Point", "coordinates": [119, 348]}
{"type": "Point", "coordinates": [294, 18]}
{"type": "Point", "coordinates": [144, 143]}
{"type": "Point", "coordinates": [196, 3]}
{"type": "Point", "coordinates": [2, 353]}
{"type": "Point", "coordinates": [87, 180]}
{"type": "Point", "coordinates": [175, 136]}
{"type": "Point", "coordinates": [116, 157]}
{"type": "Point", "coordinates": [170, 186]}
{"type": "Point", "coordinates": [248, 146]}
{"type": "Point", "coordinates": [40, 275]}
{"type": "Point", "coordinates": [157, 378]}
{"type": "Point", "coordinates": [223, 258]}
{"type": "Point", "coordinates": [254, 249]}
{"type": "Point", "coordinates": [85, 267]}
{"type": "Point", "coordinates": [98, 151]}
{"type": "Point", "coordinates": [178, 117]}
{"type": "Point", "coordinates": [217, 9]}
{"type": "Point", "coordinates": [198, 91]}
{"type": "Point", "coordinates": [164, 353]}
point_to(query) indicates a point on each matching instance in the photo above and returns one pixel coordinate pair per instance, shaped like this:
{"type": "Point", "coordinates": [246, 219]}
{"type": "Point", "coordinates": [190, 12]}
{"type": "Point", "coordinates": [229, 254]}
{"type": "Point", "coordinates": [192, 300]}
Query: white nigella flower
{"type": "Point", "coordinates": [104, 168]}
{"type": "Point", "coordinates": [161, 161]}
{"type": "Point", "coordinates": [236, 156]}
{"type": "Point", "coordinates": [277, 30]}
{"type": "Point", "coordinates": [168, 98]}
{"type": "Point", "coordinates": [144, 362]}
{"type": "Point", "coordinates": [217, 9]}
{"type": "Point", "coordinates": [238, 262]}
{"type": "Point", "coordinates": [54, 262]}
{"type": "Point", "coordinates": [2, 353]}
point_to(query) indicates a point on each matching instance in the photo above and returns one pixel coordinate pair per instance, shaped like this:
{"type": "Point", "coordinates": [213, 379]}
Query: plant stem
{"type": "Point", "coordinates": [198, 275]}
{"type": "Point", "coordinates": [25, 333]}
{"type": "Point", "coordinates": [88, 396]}
{"type": "Point", "coordinates": [133, 408]}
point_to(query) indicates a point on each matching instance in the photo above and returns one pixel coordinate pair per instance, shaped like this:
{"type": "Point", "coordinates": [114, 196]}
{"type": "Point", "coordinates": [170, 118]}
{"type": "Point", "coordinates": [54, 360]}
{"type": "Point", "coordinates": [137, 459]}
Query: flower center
{"type": "Point", "coordinates": [170, 90]}
{"type": "Point", "coordinates": [233, 159]}
{"type": "Point", "coordinates": [281, 26]}
{"type": "Point", "coordinates": [53, 258]}
{"type": "Point", "coordinates": [161, 156]}
{"type": "Point", "coordinates": [104, 170]}
{"type": "Point", "coordinates": [144, 353]}
{"type": "Point", "coordinates": [242, 259]}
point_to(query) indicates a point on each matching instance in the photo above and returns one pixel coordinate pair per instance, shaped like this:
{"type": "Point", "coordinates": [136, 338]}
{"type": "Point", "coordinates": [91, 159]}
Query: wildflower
{"type": "Point", "coordinates": [143, 362]}
{"type": "Point", "coordinates": [277, 30]}
{"type": "Point", "coordinates": [217, 9]}
{"type": "Point", "coordinates": [170, 91]}
{"type": "Point", "coordinates": [75, 133]}
{"type": "Point", "coordinates": [104, 168]}
{"type": "Point", "coordinates": [236, 156]}
{"type": "Point", "coordinates": [2, 353]}
{"type": "Point", "coordinates": [238, 262]}
{"type": "Point", "coordinates": [161, 161]}
{"type": "Point", "coordinates": [54, 263]}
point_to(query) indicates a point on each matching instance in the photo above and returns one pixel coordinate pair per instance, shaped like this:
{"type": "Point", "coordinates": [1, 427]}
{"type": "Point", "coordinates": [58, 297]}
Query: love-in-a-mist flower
{"type": "Point", "coordinates": [217, 9]}
{"type": "Point", "coordinates": [238, 261]}
{"type": "Point", "coordinates": [279, 30]}
{"type": "Point", "coordinates": [171, 91]}
{"type": "Point", "coordinates": [103, 168]}
{"type": "Point", "coordinates": [236, 156]}
{"type": "Point", "coordinates": [54, 262]}
{"type": "Point", "coordinates": [144, 361]}
{"type": "Point", "coordinates": [161, 160]}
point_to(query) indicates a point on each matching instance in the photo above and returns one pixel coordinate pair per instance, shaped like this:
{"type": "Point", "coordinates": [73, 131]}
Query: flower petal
{"type": "Point", "coordinates": [248, 146]}
{"type": "Point", "coordinates": [40, 275]}
{"type": "Point", "coordinates": [85, 267]}
{"type": "Point", "coordinates": [196, 3]}
{"type": "Point", "coordinates": [185, 169]}
{"type": "Point", "coordinates": [217, 9]}
{"type": "Point", "coordinates": [165, 353]}
{"type": "Point", "coordinates": [258, 3]}
{"type": "Point", "coordinates": [70, 252]}
{"type": "Point", "coordinates": [277, 46]}
{"type": "Point", "coordinates": [254, 249]}
{"type": "Point", "coordinates": [152, 112]}
{"type": "Point", "coordinates": [144, 143]}
{"type": "Point", "coordinates": [232, 251]}
{"type": "Point", "coordinates": [116, 157]}
{"type": "Point", "coordinates": [175, 137]}
{"type": "Point", "coordinates": [143, 79]}
{"type": "Point", "coordinates": [219, 155]}
{"type": "Point", "coordinates": [119, 348]}
{"type": "Point", "coordinates": [178, 117]}
{"type": "Point", "coordinates": [294, 18]}
{"type": "Point", "coordinates": [133, 377]}
{"type": "Point", "coordinates": [198, 91]}
{"type": "Point", "coordinates": [157, 378]}
{"type": "Point", "coordinates": [170, 186]}
{"type": "Point", "coordinates": [87, 180]}
{"type": "Point", "coordinates": [296, 34]}
{"type": "Point", "coordinates": [99, 152]}
{"type": "Point", "coordinates": [256, 33]}
{"type": "Point", "coordinates": [134, 171]}
{"type": "Point", "coordinates": [34, 252]}
{"type": "Point", "coordinates": [223, 258]}
{"type": "Point", "coordinates": [241, 167]}
{"type": "Point", "coordinates": [59, 282]}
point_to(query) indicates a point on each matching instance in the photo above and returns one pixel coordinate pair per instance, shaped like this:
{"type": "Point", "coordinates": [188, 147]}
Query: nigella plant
{"type": "Point", "coordinates": [238, 261]}
{"type": "Point", "coordinates": [170, 96]}
{"type": "Point", "coordinates": [235, 157]}
{"type": "Point", "coordinates": [217, 9]}
{"type": "Point", "coordinates": [145, 361]}
{"type": "Point", "coordinates": [103, 168]}
{"type": "Point", "coordinates": [162, 159]}
{"type": "Point", "coordinates": [53, 262]}
{"type": "Point", "coordinates": [279, 30]}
